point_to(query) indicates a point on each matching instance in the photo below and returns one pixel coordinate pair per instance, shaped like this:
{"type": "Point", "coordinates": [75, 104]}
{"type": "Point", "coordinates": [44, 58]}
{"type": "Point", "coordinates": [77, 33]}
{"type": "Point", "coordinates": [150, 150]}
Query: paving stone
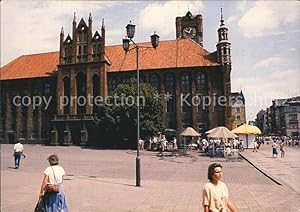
{"type": "Point", "coordinates": [106, 179]}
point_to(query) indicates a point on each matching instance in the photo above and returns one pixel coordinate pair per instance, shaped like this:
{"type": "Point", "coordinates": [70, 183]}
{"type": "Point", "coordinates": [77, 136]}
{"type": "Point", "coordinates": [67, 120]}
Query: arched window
{"type": "Point", "coordinates": [47, 88]}
{"type": "Point", "coordinates": [112, 84]}
{"type": "Point", "coordinates": [84, 49]}
{"type": "Point", "coordinates": [35, 120]}
{"type": "Point", "coordinates": [66, 96]}
{"type": "Point", "coordinates": [81, 93]}
{"type": "Point", "coordinates": [185, 81]}
{"type": "Point", "coordinates": [79, 50]}
{"type": "Point", "coordinates": [169, 82]}
{"type": "Point", "coordinates": [94, 49]}
{"type": "Point", "coordinates": [84, 36]}
{"type": "Point", "coordinates": [200, 79]}
{"type": "Point", "coordinates": [96, 90]}
{"type": "Point", "coordinates": [154, 81]}
{"type": "Point", "coordinates": [79, 36]}
{"type": "Point", "coordinates": [66, 51]}
{"type": "Point", "coordinates": [125, 79]}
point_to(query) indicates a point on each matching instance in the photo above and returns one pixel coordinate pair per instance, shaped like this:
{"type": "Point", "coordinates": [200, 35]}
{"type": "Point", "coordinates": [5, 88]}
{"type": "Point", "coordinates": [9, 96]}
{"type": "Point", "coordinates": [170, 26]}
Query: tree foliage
{"type": "Point", "coordinates": [120, 117]}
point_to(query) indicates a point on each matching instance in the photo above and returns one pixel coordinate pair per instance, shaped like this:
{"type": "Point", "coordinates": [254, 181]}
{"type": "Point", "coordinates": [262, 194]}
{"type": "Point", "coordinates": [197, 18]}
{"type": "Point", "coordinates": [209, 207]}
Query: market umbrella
{"type": "Point", "coordinates": [189, 131]}
{"type": "Point", "coordinates": [220, 132]}
{"type": "Point", "coordinates": [247, 129]}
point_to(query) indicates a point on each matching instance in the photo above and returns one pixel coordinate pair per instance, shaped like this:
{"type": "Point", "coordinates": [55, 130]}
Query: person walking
{"type": "Point", "coordinates": [282, 152]}
{"type": "Point", "coordinates": [215, 192]}
{"type": "Point", "coordinates": [163, 143]}
{"type": "Point", "coordinates": [18, 152]}
{"type": "Point", "coordinates": [274, 149]}
{"type": "Point", "coordinates": [53, 175]}
{"type": "Point", "coordinates": [175, 147]}
{"type": "Point", "coordinates": [255, 146]}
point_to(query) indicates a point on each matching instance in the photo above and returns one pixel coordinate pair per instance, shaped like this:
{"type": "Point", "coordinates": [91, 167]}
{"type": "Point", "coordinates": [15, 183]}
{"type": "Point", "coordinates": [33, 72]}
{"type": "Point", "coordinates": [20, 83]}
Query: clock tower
{"type": "Point", "coordinates": [190, 26]}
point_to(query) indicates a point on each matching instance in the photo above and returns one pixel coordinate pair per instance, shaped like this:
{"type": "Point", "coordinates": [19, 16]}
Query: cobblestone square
{"type": "Point", "coordinates": [104, 180]}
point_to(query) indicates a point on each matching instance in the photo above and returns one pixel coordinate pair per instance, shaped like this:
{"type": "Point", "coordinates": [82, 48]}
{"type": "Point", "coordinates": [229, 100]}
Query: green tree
{"type": "Point", "coordinates": [120, 117]}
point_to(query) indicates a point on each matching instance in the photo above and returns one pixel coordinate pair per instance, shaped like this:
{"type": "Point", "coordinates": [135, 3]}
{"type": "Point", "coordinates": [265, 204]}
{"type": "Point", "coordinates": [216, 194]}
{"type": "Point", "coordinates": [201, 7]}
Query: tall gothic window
{"type": "Point", "coordinates": [47, 88]}
{"type": "Point", "coordinates": [14, 117]}
{"type": "Point", "coordinates": [96, 90]}
{"type": "Point", "coordinates": [66, 81]}
{"type": "Point", "coordinates": [112, 84]}
{"type": "Point", "coordinates": [169, 82]}
{"type": "Point", "coordinates": [81, 93]}
{"type": "Point", "coordinates": [79, 37]}
{"type": "Point", "coordinates": [125, 79]}
{"type": "Point", "coordinates": [185, 81]}
{"type": "Point", "coordinates": [35, 119]}
{"type": "Point", "coordinates": [224, 50]}
{"type": "Point", "coordinates": [96, 47]}
{"type": "Point", "coordinates": [154, 81]}
{"type": "Point", "coordinates": [170, 90]}
{"type": "Point", "coordinates": [171, 104]}
{"type": "Point", "coordinates": [200, 79]}
{"type": "Point", "coordinates": [68, 51]}
{"type": "Point", "coordinates": [24, 125]}
{"type": "Point", "coordinates": [82, 45]}
{"type": "Point", "coordinates": [84, 36]}
{"type": "Point", "coordinates": [186, 105]}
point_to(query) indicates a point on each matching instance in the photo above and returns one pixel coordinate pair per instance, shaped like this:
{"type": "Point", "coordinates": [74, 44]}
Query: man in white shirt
{"type": "Point", "coordinates": [18, 152]}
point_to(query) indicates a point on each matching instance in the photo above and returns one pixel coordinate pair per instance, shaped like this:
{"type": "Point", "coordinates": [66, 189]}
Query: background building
{"type": "Point", "coordinates": [238, 109]}
{"type": "Point", "coordinates": [281, 118]}
{"type": "Point", "coordinates": [85, 67]}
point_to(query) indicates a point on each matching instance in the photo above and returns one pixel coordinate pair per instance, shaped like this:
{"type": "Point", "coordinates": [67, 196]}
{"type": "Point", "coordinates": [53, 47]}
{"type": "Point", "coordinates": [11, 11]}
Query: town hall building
{"type": "Point", "coordinates": [84, 66]}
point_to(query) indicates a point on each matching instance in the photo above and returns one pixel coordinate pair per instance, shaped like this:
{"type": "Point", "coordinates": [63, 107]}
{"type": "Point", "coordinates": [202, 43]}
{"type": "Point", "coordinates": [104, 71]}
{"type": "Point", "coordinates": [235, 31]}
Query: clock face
{"type": "Point", "coordinates": [189, 32]}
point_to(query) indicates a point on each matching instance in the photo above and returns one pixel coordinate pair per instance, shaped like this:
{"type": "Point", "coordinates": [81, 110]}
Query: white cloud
{"type": "Point", "coordinates": [241, 5]}
{"type": "Point", "coordinates": [266, 17]}
{"type": "Point", "coordinates": [260, 91]}
{"type": "Point", "coordinates": [151, 16]}
{"type": "Point", "coordinates": [231, 19]}
{"type": "Point", "coordinates": [269, 62]}
{"type": "Point", "coordinates": [35, 27]}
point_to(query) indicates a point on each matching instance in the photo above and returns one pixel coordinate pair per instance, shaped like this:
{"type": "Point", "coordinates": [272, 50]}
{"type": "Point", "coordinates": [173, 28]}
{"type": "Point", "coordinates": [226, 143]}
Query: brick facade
{"type": "Point", "coordinates": [84, 66]}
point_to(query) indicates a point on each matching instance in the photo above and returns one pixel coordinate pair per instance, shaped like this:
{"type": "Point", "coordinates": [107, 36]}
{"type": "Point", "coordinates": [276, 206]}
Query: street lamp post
{"type": "Point", "coordinates": [130, 30]}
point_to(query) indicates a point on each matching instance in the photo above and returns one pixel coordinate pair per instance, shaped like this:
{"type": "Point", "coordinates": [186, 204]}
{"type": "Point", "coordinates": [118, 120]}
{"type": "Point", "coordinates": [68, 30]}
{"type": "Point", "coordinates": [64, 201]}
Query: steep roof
{"type": "Point", "coordinates": [30, 66]}
{"type": "Point", "coordinates": [237, 96]}
{"type": "Point", "coordinates": [169, 54]}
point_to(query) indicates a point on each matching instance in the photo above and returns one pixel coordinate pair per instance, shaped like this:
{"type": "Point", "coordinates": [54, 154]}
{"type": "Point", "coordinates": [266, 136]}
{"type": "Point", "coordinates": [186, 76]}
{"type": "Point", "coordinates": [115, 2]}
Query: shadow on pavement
{"type": "Point", "coordinates": [105, 181]}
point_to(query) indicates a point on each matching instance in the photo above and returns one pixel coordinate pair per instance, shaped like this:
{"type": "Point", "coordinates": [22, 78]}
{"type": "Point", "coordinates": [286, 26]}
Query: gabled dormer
{"type": "Point", "coordinates": [96, 44]}
{"type": "Point", "coordinates": [67, 47]}
{"type": "Point", "coordinates": [188, 15]}
{"type": "Point", "coordinates": [83, 47]}
{"type": "Point", "coordinates": [68, 40]}
{"type": "Point", "coordinates": [82, 42]}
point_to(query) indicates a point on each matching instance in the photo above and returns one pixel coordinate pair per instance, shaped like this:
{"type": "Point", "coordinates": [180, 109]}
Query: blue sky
{"type": "Point", "coordinates": [264, 35]}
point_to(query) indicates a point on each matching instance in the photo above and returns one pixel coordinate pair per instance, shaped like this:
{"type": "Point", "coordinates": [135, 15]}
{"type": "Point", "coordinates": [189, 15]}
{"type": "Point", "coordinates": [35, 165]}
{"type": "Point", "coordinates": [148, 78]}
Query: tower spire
{"type": "Point", "coordinates": [74, 18]}
{"type": "Point", "coordinates": [103, 24]}
{"type": "Point", "coordinates": [223, 45]}
{"type": "Point", "coordinates": [90, 16]}
{"type": "Point", "coordinates": [222, 20]}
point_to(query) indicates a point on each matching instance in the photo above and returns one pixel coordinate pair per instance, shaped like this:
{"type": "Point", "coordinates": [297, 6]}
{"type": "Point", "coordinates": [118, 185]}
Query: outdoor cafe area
{"type": "Point", "coordinates": [217, 142]}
